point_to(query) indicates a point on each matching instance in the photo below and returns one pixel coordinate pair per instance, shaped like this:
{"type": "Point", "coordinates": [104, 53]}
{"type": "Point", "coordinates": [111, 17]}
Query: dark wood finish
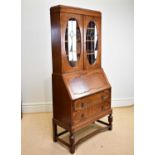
{"type": "Point", "coordinates": [75, 10]}
{"type": "Point", "coordinates": [90, 106]}
{"type": "Point", "coordinates": [91, 135]}
{"type": "Point", "coordinates": [85, 82]}
{"type": "Point", "coordinates": [54, 131]}
{"type": "Point", "coordinates": [72, 145]}
{"type": "Point", "coordinates": [72, 142]}
{"type": "Point", "coordinates": [56, 43]}
{"type": "Point", "coordinates": [81, 94]}
{"type": "Point", "coordinates": [61, 133]}
{"type": "Point", "coordinates": [88, 121]}
{"type": "Point", "coordinates": [110, 119]}
{"type": "Point", "coordinates": [102, 122]}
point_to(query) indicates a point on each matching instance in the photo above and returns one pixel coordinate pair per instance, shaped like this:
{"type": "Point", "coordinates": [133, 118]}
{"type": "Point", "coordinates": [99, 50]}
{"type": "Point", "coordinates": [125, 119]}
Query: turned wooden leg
{"type": "Point", "coordinates": [110, 119]}
{"type": "Point", "coordinates": [54, 131]}
{"type": "Point", "coordinates": [72, 142]}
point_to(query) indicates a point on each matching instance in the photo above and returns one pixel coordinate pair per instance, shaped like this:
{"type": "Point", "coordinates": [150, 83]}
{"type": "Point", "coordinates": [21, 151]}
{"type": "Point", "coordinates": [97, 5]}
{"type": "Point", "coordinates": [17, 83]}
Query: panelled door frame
{"type": "Point", "coordinates": [97, 21]}
{"type": "Point", "coordinates": [66, 67]}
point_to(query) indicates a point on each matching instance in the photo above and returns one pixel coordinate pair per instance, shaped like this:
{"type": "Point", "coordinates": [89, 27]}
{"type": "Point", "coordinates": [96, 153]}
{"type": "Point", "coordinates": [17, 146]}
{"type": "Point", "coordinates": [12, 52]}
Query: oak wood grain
{"type": "Point", "coordinates": [81, 94]}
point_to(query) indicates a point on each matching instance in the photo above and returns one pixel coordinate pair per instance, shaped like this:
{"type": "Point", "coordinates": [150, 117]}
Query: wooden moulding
{"type": "Point", "coordinates": [75, 10]}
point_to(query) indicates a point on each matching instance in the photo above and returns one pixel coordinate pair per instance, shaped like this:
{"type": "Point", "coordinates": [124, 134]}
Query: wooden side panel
{"type": "Point", "coordinates": [61, 102]}
{"type": "Point", "coordinates": [56, 41]}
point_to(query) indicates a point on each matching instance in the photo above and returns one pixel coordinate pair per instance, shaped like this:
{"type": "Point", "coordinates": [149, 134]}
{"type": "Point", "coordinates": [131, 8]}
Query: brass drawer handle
{"type": "Point", "coordinates": [79, 107]}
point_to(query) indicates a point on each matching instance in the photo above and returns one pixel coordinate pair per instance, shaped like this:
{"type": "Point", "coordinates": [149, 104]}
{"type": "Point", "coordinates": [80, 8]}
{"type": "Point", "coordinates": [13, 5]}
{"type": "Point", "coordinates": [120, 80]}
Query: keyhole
{"type": "Point", "coordinates": [82, 105]}
{"type": "Point", "coordinates": [102, 108]}
{"type": "Point", "coordinates": [102, 98]}
{"type": "Point", "coordinates": [82, 115]}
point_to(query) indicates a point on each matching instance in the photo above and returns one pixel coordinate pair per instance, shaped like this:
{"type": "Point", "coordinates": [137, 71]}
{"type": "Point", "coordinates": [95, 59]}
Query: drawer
{"type": "Point", "coordinates": [90, 106]}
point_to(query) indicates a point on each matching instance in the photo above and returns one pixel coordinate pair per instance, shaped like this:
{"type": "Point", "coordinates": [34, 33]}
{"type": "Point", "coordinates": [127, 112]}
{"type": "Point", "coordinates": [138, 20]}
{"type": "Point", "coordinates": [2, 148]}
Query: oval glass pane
{"type": "Point", "coordinates": [91, 42]}
{"type": "Point", "coordinates": [73, 41]}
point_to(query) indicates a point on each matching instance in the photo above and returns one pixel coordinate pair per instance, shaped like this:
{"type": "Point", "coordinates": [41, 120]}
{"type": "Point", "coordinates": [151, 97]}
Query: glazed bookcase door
{"type": "Point", "coordinates": [71, 42]}
{"type": "Point", "coordinates": [92, 42]}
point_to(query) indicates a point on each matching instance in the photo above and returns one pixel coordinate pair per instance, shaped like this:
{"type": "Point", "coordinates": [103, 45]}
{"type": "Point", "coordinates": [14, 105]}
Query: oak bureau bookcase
{"type": "Point", "coordinates": [81, 91]}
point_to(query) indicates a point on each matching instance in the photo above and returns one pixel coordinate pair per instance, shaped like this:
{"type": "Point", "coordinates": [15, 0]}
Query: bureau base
{"type": "Point", "coordinates": [72, 145]}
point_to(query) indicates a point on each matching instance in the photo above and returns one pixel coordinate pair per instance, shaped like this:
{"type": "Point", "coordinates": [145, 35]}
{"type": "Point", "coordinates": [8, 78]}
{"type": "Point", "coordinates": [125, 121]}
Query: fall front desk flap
{"type": "Point", "coordinates": [84, 83]}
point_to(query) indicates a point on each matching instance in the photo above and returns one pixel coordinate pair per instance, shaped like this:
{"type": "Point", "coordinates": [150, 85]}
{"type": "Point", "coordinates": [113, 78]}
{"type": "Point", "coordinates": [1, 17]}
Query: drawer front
{"type": "Point", "coordinates": [93, 105]}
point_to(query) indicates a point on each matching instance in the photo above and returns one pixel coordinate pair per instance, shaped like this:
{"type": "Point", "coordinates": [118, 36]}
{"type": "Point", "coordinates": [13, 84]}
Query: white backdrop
{"type": "Point", "coordinates": [117, 50]}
